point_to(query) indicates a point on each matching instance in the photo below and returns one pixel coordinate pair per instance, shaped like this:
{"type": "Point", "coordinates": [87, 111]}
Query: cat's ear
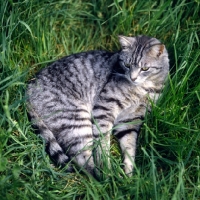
{"type": "Point", "coordinates": [125, 41]}
{"type": "Point", "coordinates": [156, 50]}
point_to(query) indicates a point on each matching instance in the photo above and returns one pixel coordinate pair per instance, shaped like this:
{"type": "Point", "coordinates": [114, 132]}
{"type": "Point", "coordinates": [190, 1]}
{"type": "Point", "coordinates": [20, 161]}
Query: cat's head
{"type": "Point", "coordinates": [143, 59]}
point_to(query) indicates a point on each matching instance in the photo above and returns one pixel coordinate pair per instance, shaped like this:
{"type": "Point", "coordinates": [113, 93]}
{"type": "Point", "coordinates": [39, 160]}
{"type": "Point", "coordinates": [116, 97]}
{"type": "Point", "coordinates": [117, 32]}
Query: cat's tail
{"type": "Point", "coordinates": [53, 148]}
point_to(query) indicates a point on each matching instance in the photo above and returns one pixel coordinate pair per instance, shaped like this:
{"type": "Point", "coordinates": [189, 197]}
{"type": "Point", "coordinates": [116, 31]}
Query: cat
{"type": "Point", "coordinates": [80, 98]}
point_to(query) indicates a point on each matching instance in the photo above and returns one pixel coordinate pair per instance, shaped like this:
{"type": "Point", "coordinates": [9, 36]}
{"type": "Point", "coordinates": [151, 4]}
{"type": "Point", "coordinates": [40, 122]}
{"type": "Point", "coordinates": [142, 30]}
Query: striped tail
{"type": "Point", "coordinates": [53, 148]}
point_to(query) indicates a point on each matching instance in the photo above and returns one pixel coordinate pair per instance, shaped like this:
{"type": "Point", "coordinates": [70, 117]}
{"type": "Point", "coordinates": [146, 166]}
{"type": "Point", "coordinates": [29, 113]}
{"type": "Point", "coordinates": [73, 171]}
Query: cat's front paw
{"type": "Point", "coordinates": [128, 167]}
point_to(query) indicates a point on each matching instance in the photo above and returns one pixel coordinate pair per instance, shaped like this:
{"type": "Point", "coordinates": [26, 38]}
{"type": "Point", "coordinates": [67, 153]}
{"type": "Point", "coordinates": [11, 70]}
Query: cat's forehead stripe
{"type": "Point", "coordinates": [138, 52]}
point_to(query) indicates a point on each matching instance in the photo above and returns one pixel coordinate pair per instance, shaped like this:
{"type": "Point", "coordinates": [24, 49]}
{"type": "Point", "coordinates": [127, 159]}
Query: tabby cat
{"type": "Point", "coordinates": [79, 98]}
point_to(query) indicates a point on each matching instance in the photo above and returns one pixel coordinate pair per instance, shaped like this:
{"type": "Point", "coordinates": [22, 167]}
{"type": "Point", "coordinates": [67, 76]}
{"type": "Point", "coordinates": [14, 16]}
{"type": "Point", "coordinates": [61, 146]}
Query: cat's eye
{"type": "Point", "coordinates": [127, 65]}
{"type": "Point", "coordinates": [144, 68]}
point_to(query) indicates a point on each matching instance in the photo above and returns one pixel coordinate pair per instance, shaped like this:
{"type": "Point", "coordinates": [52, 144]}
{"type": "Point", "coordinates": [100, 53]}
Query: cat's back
{"type": "Point", "coordinates": [78, 76]}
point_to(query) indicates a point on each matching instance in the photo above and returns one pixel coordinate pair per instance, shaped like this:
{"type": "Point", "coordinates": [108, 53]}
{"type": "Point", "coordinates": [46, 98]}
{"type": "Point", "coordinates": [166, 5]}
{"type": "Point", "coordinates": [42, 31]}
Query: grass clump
{"type": "Point", "coordinates": [34, 33]}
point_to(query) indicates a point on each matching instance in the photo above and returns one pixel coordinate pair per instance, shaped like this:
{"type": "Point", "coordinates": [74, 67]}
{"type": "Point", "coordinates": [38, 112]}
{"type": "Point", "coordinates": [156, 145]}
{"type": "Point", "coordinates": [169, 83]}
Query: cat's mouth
{"type": "Point", "coordinates": [138, 81]}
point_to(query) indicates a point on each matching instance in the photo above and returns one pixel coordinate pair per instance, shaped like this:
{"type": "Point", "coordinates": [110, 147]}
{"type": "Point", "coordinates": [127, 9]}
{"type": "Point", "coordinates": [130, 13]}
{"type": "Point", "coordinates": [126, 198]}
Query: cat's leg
{"type": "Point", "coordinates": [76, 136]}
{"type": "Point", "coordinates": [128, 141]}
{"type": "Point", "coordinates": [80, 148]}
{"type": "Point", "coordinates": [126, 129]}
{"type": "Point", "coordinates": [102, 125]}
{"type": "Point", "coordinates": [101, 140]}
{"type": "Point", "coordinates": [69, 136]}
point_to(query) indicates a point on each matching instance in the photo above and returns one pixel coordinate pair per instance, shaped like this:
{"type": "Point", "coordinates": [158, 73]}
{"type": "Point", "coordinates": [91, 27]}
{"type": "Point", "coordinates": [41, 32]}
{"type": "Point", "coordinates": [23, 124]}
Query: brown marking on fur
{"type": "Point", "coordinates": [161, 50]}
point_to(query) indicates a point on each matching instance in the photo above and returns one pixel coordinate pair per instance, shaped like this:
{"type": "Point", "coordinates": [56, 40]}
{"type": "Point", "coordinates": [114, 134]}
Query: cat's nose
{"type": "Point", "coordinates": [134, 73]}
{"type": "Point", "coordinates": [133, 79]}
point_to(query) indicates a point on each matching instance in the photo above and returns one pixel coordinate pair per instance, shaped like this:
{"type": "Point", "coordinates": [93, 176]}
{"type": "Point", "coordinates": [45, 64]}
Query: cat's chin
{"type": "Point", "coordinates": [138, 82]}
{"type": "Point", "coordinates": [135, 83]}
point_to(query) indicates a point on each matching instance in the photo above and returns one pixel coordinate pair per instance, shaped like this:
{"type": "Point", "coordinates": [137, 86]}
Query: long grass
{"type": "Point", "coordinates": [35, 33]}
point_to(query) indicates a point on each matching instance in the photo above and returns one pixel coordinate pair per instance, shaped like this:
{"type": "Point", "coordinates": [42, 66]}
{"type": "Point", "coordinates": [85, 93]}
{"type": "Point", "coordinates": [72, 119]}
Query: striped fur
{"type": "Point", "coordinates": [112, 88]}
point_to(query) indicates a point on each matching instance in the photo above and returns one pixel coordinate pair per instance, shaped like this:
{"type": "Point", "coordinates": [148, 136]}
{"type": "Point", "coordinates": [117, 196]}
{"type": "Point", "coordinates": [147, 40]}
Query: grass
{"type": "Point", "coordinates": [34, 33]}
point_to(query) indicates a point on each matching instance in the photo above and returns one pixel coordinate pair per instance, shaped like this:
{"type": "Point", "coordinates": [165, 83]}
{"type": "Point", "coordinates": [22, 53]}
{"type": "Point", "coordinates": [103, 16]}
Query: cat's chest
{"type": "Point", "coordinates": [133, 95]}
{"type": "Point", "coordinates": [135, 98]}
